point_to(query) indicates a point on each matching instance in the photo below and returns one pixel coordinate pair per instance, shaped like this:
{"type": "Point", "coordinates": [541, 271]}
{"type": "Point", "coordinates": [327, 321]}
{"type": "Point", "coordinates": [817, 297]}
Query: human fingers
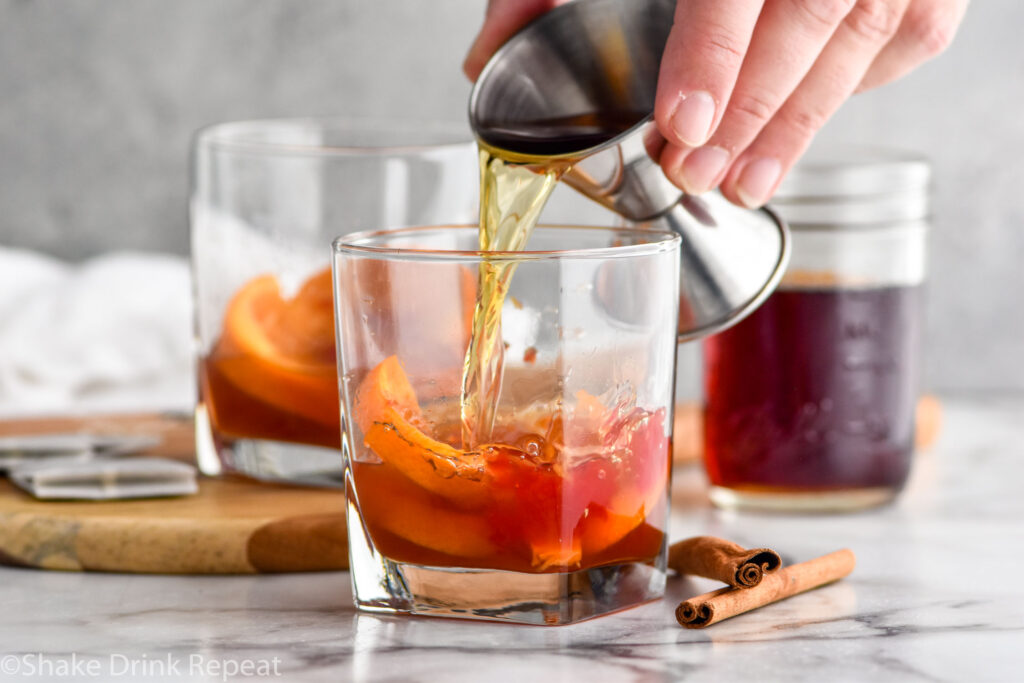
{"type": "Point", "coordinates": [788, 37]}
{"type": "Point", "coordinates": [755, 173]}
{"type": "Point", "coordinates": [701, 61]}
{"type": "Point", "coordinates": [927, 29]}
{"type": "Point", "coordinates": [503, 18]}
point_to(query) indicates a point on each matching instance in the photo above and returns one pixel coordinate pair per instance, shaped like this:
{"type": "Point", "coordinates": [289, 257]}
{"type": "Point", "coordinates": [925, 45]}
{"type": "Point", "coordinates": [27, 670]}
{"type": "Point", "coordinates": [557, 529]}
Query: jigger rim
{"type": "Point", "coordinates": [524, 33]}
{"type": "Point", "coordinates": [766, 290]}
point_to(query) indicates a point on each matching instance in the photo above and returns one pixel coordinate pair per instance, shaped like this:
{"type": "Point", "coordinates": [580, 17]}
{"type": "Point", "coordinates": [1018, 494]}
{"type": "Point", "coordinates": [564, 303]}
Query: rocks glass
{"type": "Point", "coordinates": [558, 513]}
{"type": "Point", "coordinates": [267, 199]}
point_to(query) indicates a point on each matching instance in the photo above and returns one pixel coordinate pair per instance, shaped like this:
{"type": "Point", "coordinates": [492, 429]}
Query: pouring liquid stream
{"type": "Point", "coordinates": [560, 484]}
{"type": "Point", "coordinates": [514, 187]}
{"type": "Point", "coordinates": [511, 199]}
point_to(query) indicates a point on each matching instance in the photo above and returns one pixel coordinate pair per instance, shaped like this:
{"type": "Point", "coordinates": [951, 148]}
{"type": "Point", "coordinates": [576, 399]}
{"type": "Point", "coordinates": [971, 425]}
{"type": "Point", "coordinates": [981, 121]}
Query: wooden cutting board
{"type": "Point", "coordinates": [229, 527]}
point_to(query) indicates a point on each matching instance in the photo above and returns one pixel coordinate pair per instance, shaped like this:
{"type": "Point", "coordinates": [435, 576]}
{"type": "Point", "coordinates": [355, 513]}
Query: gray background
{"type": "Point", "coordinates": [98, 100]}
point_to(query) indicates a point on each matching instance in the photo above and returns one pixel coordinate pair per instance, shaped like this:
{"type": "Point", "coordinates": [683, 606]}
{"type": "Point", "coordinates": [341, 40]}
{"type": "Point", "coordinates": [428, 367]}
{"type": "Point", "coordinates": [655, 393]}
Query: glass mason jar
{"type": "Point", "coordinates": [553, 510]}
{"type": "Point", "coordinates": [268, 197]}
{"type": "Point", "coordinates": [810, 401]}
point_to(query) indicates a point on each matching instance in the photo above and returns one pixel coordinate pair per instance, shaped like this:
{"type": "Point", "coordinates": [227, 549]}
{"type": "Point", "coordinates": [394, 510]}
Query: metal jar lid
{"type": "Point", "coordinates": [855, 186]}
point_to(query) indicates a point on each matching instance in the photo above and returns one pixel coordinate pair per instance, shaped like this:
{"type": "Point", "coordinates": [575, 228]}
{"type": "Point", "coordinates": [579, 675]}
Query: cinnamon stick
{"type": "Point", "coordinates": [713, 607]}
{"type": "Point", "coordinates": [722, 560]}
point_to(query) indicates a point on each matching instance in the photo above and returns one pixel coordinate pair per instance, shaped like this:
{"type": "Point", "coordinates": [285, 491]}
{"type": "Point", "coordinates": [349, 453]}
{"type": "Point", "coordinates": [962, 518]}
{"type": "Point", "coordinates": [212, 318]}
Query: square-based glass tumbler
{"type": "Point", "coordinates": [267, 199]}
{"type": "Point", "coordinates": [537, 490]}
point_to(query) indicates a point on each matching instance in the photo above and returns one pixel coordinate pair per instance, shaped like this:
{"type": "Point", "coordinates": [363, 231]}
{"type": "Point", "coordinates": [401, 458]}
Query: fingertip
{"type": "Point", "coordinates": [752, 183]}
{"type": "Point", "coordinates": [503, 18]}
{"type": "Point", "coordinates": [479, 52]}
{"type": "Point", "coordinates": [703, 169]}
{"type": "Point", "coordinates": [664, 107]}
{"type": "Point", "coordinates": [730, 193]}
{"type": "Point", "coordinates": [672, 157]}
{"type": "Point", "coordinates": [728, 185]}
{"type": "Point", "coordinates": [472, 67]}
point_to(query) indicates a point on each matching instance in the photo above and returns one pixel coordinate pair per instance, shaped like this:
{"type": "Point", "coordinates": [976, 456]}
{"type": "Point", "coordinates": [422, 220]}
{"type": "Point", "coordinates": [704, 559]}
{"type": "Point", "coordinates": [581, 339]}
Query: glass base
{"type": "Point", "coordinates": [275, 461]}
{"type": "Point", "coordinates": [383, 585]}
{"type": "Point", "coordinates": [782, 500]}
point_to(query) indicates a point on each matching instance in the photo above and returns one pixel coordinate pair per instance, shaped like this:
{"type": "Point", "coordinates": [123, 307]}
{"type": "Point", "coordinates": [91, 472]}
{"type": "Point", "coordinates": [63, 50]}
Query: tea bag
{"type": "Point", "coordinates": [34, 448]}
{"type": "Point", "coordinates": [74, 478]}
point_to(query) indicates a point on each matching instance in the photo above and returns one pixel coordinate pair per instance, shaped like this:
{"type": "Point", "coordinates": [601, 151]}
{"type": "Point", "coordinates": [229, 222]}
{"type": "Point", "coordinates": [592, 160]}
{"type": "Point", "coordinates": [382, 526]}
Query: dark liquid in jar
{"type": "Point", "coordinates": [815, 391]}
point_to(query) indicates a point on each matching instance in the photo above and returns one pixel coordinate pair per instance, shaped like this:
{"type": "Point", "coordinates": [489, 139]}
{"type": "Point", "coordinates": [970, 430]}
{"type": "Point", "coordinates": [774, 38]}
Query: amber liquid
{"type": "Point", "coordinates": [815, 392]}
{"type": "Point", "coordinates": [236, 412]}
{"type": "Point", "coordinates": [511, 199]}
{"type": "Point", "coordinates": [551, 489]}
{"type": "Point", "coordinates": [517, 175]}
{"type": "Point", "coordinates": [261, 391]}
{"type": "Point", "coordinates": [271, 374]}
{"type": "Point", "coordinates": [554, 495]}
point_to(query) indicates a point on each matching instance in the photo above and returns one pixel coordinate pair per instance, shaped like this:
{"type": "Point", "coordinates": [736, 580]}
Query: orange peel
{"type": "Point", "coordinates": [282, 350]}
{"type": "Point", "coordinates": [387, 413]}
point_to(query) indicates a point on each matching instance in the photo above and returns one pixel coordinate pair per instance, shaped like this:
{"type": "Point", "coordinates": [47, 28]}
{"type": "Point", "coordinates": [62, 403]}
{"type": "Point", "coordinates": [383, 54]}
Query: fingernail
{"type": "Point", "coordinates": [701, 169]}
{"type": "Point", "coordinates": [757, 181]}
{"type": "Point", "coordinates": [693, 117]}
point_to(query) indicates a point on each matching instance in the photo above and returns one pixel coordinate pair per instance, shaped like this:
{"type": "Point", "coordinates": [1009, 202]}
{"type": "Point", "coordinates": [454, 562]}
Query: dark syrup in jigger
{"type": "Point", "coordinates": [561, 135]}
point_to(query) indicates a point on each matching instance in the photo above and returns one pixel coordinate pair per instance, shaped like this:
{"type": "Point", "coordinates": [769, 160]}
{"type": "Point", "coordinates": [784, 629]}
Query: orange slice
{"type": "Point", "coordinates": [521, 497]}
{"type": "Point", "coordinates": [642, 485]}
{"type": "Point", "coordinates": [303, 333]}
{"type": "Point", "coordinates": [282, 350]}
{"type": "Point", "coordinates": [603, 528]}
{"type": "Point", "coordinates": [295, 334]}
{"type": "Point", "coordinates": [552, 555]}
{"type": "Point", "coordinates": [400, 507]}
{"type": "Point", "coordinates": [387, 413]}
{"type": "Point", "coordinates": [606, 526]}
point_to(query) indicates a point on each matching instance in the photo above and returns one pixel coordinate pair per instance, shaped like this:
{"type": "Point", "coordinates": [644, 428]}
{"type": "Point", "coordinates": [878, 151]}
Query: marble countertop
{"type": "Point", "coordinates": [937, 595]}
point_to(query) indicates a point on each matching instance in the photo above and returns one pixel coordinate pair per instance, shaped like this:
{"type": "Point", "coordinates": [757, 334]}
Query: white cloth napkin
{"type": "Point", "coordinates": [112, 333]}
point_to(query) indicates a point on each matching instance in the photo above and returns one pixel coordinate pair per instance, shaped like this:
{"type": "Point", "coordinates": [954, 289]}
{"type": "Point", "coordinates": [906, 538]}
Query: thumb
{"type": "Point", "coordinates": [503, 19]}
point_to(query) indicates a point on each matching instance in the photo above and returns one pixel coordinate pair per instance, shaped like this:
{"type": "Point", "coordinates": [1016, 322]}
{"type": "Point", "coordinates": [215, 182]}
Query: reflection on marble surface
{"type": "Point", "coordinates": [935, 597]}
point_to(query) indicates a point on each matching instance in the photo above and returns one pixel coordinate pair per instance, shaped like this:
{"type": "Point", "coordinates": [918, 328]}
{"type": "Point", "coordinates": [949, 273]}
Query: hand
{"type": "Point", "coordinates": [746, 84]}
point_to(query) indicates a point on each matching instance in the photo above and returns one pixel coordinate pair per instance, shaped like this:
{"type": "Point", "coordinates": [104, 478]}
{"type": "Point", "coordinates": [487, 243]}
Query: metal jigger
{"type": "Point", "coordinates": [602, 56]}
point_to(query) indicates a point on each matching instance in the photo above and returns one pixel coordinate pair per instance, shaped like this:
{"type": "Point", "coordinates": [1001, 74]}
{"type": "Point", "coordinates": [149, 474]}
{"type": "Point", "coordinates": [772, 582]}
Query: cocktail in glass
{"type": "Point", "coordinates": [555, 509]}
